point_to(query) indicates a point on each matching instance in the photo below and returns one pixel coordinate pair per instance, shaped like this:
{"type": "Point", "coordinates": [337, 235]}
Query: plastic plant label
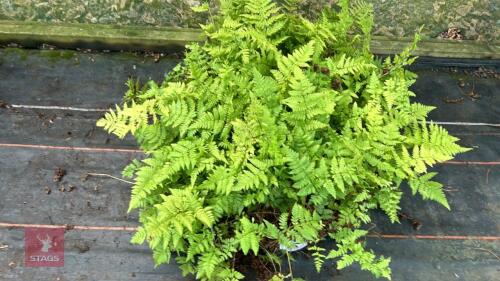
{"type": "Point", "coordinates": [44, 247]}
{"type": "Point", "coordinates": [296, 247]}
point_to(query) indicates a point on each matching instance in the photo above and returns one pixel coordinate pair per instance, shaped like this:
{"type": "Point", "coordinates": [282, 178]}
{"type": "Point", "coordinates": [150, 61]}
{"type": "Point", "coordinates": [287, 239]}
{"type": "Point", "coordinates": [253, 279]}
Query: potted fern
{"type": "Point", "coordinates": [278, 132]}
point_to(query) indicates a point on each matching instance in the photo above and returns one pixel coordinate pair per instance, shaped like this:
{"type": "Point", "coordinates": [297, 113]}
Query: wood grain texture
{"type": "Point", "coordinates": [113, 37]}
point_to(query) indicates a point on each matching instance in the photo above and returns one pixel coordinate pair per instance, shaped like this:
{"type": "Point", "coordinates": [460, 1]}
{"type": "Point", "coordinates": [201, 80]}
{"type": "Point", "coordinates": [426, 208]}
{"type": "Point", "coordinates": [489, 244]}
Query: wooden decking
{"type": "Point", "coordinates": [47, 121]}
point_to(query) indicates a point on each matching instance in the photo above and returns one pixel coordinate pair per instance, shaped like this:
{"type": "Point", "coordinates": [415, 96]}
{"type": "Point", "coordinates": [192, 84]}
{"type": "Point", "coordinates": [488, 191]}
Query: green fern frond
{"type": "Point", "coordinates": [277, 131]}
{"type": "Point", "coordinates": [249, 236]}
{"type": "Point", "coordinates": [428, 189]}
{"type": "Point", "coordinates": [319, 257]}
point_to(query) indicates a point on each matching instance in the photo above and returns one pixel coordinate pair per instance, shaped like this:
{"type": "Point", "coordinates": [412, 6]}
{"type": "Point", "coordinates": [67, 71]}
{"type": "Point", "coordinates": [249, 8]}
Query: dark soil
{"type": "Point", "coordinates": [81, 246]}
{"type": "Point", "coordinates": [4, 104]}
{"type": "Point", "coordinates": [416, 224]}
{"type": "Point", "coordinates": [448, 100]}
{"type": "Point", "coordinates": [59, 173]}
{"type": "Point", "coordinates": [250, 263]}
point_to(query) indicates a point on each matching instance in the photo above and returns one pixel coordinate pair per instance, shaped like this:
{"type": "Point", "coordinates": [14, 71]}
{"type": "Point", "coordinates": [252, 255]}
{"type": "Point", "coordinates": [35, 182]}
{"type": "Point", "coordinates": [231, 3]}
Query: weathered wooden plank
{"type": "Point", "coordinates": [89, 256]}
{"type": "Point", "coordinates": [473, 195]}
{"type": "Point", "coordinates": [67, 78]}
{"type": "Point", "coordinates": [438, 48]}
{"type": "Point", "coordinates": [68, 35]}
{"type": "Point", "coordinates": [96, 255]}
{"type": "Point", "coordinates": [28, 175]}
{"type": "Point", "coordinates": [57, 128]}
{"type": "Point", "coordinates": [476, 101]}
{"type": "Point", "coordinates": [78, 129]}
{"type": "Point", "coordinates": [97, 81]}
{"type": "Point", "coordinates": [99, 36]}
{"type": "Point", "coordinates": [417, 260]}
{"type": "Point", "coordinates": [103, 201]}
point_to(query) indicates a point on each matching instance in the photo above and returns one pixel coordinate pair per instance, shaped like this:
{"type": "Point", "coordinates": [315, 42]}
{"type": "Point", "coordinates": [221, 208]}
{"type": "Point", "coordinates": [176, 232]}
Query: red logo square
{"type": "Point", "coordinates": [44, 247]}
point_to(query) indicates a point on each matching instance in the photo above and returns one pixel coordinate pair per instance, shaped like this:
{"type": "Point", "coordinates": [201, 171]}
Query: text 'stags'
{"type": "Point", "coordinates": [44, 247]}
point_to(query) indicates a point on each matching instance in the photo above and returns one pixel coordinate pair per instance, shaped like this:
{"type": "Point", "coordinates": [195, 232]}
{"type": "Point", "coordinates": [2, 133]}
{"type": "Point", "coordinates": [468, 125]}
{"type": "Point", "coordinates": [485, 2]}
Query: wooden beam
{"type": "Point", "coordinates": [97, 36]}
{"type": "Point", "coordinates": [441, 48]}
{"type": "Point", "coordinates": [115, 37]}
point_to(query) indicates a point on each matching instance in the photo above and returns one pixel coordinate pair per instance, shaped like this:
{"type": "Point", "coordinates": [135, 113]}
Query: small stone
{"type": "Point", "coordinates": [193, 3]}
{"type": "Point", "coordinates": [453, 33]}
{"type": "Point", "coordinates": [461, 83]}
{"type": "Point", "coordinates": [156, 57]}
{"type": "Point", "coordinates": [81, 246]}
{"type": "Point", "coordinates": [84, 177]}
{"type": "Point", "coordinates": [474, 95]}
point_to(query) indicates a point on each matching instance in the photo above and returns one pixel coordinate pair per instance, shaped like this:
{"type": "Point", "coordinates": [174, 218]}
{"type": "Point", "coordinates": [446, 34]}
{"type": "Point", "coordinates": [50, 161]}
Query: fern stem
{"type": "Point", "coordinates": [289, 264]}
{"type": "Point", "coordinates": [272, 262]}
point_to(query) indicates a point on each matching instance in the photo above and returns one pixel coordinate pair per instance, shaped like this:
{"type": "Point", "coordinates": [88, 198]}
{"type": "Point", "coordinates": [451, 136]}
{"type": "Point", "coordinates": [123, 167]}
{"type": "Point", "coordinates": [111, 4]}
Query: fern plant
{"type": "Point", "coordinates": [277, 131]}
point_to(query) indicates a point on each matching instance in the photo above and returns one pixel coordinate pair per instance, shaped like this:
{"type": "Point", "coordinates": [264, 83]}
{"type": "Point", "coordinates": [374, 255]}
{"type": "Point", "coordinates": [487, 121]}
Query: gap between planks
{"type": "Point", "coordinates": [123, 150]}
{"type": "Point", "coordinates": [133, 228]}
{"type": "Point", "coordinates": [70, 108]}
{"type": "Point", "coordinates": [53, 107]}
